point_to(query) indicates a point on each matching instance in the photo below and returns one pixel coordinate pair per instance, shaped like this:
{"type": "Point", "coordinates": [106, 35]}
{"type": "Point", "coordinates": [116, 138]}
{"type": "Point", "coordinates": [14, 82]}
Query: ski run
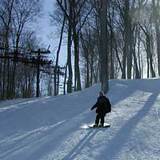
{"type": "Point", "coordinates": [55, 128]}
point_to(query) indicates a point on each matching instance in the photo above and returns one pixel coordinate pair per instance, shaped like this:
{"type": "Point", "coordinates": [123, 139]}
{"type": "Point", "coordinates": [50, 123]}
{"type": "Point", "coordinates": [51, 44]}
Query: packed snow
{"type": "Point", "coordinates": [54, 128]}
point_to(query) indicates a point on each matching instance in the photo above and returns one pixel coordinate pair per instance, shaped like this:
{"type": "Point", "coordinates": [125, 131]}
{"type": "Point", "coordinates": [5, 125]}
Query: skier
{"type": "Point", "coordinates": [102, 106]}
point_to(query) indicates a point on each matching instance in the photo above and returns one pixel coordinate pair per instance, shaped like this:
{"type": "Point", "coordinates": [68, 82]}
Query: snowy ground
{"type": "Point", "coordinates": [53, 128]}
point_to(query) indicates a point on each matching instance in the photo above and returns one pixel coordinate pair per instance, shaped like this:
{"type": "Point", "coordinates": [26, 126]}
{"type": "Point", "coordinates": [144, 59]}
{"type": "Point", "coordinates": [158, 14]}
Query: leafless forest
{"type": "Point", "coordinates": [105, 39]}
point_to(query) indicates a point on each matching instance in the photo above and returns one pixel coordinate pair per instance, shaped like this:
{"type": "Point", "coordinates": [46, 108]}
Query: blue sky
{"type": "Point", "coordinates": [47, 32]}
{"type": "Point", "coordinates": [43, 27]}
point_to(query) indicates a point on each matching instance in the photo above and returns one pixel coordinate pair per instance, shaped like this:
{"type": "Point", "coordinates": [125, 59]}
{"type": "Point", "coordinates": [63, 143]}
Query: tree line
{"type": "Point", "coordinates": [18, 68]}
{"type": "Point", "coordinates": [105, 39]}
{"type": "Point", "coordinates": [109, 39]}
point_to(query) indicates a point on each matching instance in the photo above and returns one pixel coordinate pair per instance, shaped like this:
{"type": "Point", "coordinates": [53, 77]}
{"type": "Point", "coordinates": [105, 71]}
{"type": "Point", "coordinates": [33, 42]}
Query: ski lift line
{"type": "Point", "coordinates": [14, 48]}
{"type": "Point", "coordinates": [40, 51]}
{"type": "Point", "coordinates": [26, 59]}
{"type": "Point", "coordinates": [37, 62]}
{"type": "Point", "coordinates": [31, 59]}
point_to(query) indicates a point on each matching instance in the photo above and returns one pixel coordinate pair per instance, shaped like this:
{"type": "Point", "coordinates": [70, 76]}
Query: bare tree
{"type": "Point", "coordinates": [15, 15]}
{"type": "Point", "coordinates": [104, 46]}
{"type": "Point", "coordinates": [6, 18]}
{"type": "Point", "coordinates": [156, 20]}
{"type": "Point", "coordinates": [23, 13]}
{"type": "Point", "coordinates": [57, 59]}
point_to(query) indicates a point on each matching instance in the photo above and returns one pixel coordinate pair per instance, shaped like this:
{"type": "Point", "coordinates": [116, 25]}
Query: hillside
{"type": "Point", "coordinates": [54, 128]}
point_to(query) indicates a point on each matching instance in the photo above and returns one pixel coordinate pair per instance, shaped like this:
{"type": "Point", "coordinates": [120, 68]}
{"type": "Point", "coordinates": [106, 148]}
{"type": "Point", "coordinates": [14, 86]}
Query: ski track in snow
{"type": "Point", "coordinates": [51, 128]}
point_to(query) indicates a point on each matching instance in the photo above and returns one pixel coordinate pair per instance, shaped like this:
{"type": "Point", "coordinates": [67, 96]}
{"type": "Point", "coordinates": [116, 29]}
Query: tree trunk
{"type": "Point", "coordinates": [149, 53]}
{"type": "Point", "coordinates": [57, 58]}
{"type": "Point", "coordinates": [77, 62]}
{"type": "Point", "coordinates": [87, 72]}
{"type": "Point", "coordinates": [69, 61]}
{"type": "Point", "coordinates": [38, 75]}
{"type": "Point", "coordinates": [65, 78]}
{"type": "Point", "coordinates": [127, 39]}
{"type": "Point", "coordinates": [103, 47]}
{"type": "Point", "coordinates": [157, 29]}
{"type": "Point", "coordinates": [112, 56]}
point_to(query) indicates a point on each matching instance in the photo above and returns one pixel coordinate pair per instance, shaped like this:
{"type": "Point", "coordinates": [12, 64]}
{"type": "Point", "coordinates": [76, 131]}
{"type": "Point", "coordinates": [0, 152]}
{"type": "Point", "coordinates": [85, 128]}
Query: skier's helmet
{"type": "Point", "coordinates": [101, 93]}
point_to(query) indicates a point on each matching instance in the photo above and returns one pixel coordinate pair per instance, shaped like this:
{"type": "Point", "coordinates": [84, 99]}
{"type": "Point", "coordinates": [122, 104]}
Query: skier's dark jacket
{"type": "Point", "coordinates": [102, 105]}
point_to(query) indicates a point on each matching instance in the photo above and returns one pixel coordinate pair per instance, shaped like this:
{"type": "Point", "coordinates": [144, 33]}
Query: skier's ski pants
{"type": "Point", "coordinates": [100, 116]}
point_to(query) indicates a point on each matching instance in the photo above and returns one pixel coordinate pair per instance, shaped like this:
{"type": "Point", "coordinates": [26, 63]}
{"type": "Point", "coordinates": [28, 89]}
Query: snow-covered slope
{"type": "Point", "coordinates": [53, 128]}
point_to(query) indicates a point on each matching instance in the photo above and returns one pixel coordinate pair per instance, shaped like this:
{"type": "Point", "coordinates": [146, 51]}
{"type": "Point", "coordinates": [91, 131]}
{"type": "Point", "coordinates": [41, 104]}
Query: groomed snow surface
{"type": "Point", "coordinates": [54, 128]}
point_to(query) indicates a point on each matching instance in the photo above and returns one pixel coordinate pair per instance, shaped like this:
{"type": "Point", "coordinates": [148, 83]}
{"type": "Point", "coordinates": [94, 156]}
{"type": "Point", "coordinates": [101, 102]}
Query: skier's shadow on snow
{"type": "Point", "coordinates": [116, 144]}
